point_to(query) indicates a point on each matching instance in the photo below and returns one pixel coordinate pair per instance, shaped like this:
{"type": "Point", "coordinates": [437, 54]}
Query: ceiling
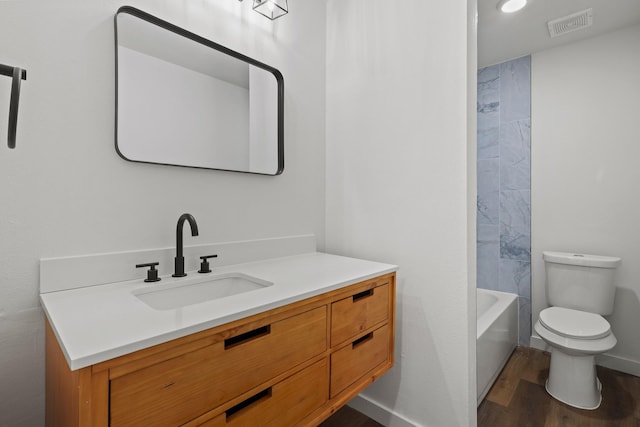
{"type": "Point", "coordinates": [506, 36]}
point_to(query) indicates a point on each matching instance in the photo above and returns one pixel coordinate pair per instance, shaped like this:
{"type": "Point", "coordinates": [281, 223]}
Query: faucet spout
{"type": "Point", "coordinates": [179, 259]}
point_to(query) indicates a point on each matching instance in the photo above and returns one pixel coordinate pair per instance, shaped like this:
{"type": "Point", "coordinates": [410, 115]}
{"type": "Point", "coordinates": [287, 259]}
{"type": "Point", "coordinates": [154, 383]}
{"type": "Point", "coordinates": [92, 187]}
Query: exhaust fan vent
{"type": "Point", "coordinates": [575, 21]}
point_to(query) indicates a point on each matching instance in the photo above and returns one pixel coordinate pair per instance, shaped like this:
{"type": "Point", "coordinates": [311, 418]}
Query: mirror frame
{"type": "Point", "coordinates": [213, 45]}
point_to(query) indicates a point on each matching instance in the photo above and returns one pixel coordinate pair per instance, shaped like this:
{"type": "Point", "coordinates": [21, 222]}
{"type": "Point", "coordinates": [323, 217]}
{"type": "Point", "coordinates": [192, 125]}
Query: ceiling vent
{"type": "Point", "coordinates": [566, 24]}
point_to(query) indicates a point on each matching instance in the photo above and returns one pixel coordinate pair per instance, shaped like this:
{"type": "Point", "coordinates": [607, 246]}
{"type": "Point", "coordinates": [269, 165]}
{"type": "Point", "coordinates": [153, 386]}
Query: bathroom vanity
{"type": "Point", "coordinates": [287, 354]}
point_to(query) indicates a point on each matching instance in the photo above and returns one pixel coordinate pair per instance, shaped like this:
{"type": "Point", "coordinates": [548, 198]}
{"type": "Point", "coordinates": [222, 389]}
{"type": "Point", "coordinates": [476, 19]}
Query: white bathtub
{"type": "Point", "coordinates": [497, 335]}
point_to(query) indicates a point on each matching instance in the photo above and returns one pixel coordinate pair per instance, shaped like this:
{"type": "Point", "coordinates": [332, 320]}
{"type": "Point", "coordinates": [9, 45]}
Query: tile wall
{"type": "Point", "coordinates": [504, 183]}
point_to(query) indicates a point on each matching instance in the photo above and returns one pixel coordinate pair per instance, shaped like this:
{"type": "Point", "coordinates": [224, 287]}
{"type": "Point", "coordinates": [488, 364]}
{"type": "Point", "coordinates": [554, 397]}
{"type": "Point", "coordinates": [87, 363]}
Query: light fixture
{"type": "Point", "coordinates": [272, 9]}
{"type": "Point", "coordinates": [510, 6]}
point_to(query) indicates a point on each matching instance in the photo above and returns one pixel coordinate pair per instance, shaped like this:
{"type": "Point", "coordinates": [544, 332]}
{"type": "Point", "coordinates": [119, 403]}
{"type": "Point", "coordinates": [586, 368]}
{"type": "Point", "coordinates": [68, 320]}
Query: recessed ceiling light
{"type": "Point", "coordinates": [510, 6]}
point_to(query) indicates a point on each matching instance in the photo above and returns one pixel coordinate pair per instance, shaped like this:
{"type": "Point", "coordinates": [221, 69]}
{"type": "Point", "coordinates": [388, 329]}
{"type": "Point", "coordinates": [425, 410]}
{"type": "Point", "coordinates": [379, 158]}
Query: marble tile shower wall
{"type": "Point", "coordinates": [504, 183]}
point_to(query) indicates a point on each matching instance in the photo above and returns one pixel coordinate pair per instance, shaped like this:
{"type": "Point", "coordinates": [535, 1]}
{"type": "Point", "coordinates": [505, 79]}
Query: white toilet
{"type": "Point", "coordinates": [580, 289]}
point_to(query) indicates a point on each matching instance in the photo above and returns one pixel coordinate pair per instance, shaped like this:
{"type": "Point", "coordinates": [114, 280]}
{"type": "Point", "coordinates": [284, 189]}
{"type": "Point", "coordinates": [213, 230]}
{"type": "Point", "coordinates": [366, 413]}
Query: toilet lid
{"type": "Point", "coordinates": [574, 324]}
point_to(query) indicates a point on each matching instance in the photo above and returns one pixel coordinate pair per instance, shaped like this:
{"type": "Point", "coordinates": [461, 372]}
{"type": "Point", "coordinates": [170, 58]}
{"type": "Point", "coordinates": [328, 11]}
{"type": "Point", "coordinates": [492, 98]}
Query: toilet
{"type": "Point", "coordinates": [580, 289]}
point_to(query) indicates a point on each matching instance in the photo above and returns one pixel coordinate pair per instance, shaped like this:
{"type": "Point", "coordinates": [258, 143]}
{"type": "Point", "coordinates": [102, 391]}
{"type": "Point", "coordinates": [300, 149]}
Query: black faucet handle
{"type": "Point", "coordinates": [152, 273]}
{"type": "Point", "coordinates": [204, 265]}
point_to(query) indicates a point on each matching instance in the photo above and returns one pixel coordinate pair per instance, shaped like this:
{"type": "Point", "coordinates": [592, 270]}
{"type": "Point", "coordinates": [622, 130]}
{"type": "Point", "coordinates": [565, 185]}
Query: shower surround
{"type": "Point", "coordinates": [504, 183]}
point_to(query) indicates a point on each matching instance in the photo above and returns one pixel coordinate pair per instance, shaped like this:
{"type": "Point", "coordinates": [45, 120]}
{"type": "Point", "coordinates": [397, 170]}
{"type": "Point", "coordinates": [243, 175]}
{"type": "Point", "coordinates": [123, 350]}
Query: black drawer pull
{"type": "Point", "coordinates": [247, 336]}
{"type": "Point", "coordinates": [362, 294]}
{"type": "Point", "coordinates": [361, 340]}
{"type": "Point", "coordinates": [253, 399]}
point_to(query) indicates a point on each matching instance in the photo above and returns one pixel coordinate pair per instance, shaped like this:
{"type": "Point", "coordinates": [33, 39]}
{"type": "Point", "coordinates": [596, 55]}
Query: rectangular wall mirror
{"type": "Point", "coordinates": [183, 100]}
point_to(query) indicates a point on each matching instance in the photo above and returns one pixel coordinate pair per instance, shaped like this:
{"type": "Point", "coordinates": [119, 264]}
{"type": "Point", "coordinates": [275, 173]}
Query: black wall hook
{"type": "Point", "coordinates": [17, 74]}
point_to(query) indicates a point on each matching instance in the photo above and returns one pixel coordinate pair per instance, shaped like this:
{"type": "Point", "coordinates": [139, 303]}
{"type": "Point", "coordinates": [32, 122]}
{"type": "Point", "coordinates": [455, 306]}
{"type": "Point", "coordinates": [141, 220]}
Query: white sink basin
{"type": "Point", "coordinates": [188, 291]}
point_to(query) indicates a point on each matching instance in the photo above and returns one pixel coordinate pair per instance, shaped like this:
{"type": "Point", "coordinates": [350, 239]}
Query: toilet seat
{"type": "Point", "coordinates": [575, 346]}
{"type": "Point", "coordinates": [574, 324]}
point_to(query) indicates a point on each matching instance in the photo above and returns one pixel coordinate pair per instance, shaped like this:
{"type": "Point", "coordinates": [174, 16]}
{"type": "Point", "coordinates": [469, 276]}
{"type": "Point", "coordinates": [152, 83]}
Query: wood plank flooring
{"type": "Point", "coordinates": [349, 417]}
{"type": "Point", "coordinates": [518, 398]}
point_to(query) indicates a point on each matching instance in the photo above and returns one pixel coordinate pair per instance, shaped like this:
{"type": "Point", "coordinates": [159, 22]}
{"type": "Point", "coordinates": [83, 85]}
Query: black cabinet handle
{"type": "Point", "coordinates": [17, 74]}
{"type": "Point", "coordinates": [245, 403]}
{"type": "Point", "coordinates": [247, 336]}
{"type": "Point", "coordinates": [361, 340]}
{"type": "Point", "coordinates": [362, 294]}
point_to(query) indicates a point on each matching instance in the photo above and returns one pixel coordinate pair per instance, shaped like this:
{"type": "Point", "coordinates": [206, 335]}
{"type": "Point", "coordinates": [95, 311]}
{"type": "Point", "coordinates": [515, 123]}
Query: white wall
{"type": "Point", "coordinates": [400, 101]}
{"type": "Point", "coordinates": [585, 172]}
{"type": "Point", "coordinates": [65, 191]}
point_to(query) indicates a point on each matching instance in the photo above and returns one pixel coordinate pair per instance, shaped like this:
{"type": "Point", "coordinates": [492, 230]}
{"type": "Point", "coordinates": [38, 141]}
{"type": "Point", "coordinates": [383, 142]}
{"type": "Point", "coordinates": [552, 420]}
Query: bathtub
{"type": "Point", "coordinates": [497, 335]}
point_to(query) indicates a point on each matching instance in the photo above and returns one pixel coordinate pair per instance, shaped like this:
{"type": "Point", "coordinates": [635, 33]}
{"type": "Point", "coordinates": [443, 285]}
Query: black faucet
{"type": "Point", "coordinates": [179, 259]}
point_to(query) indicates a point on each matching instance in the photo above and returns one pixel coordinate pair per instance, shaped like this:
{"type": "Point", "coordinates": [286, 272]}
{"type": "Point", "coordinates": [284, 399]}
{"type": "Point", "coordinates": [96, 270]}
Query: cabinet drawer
{"type": "Point", "coordinates": [360, 311]}
{"type": "Point", "coordinates": [283, 404]}
{"type": "Point", "coordinates": [357, 358]}
{"type": "Point", "coordinates": [176, 390]}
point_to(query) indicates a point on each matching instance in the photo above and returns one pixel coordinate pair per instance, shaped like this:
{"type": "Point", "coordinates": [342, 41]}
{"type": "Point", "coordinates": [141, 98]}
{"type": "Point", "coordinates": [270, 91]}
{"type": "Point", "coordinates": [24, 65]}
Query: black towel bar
{"type": "Point", "coordinates": [17, 74]}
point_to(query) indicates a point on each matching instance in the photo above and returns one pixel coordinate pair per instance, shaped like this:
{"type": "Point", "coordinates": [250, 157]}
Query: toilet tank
{"type": "Point", "coordinates": [580, 281]}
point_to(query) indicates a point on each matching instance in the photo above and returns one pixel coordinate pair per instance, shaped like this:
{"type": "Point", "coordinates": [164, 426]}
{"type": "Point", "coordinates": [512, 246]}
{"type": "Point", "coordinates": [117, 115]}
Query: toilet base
{"type": "Point", "coordinates": [573, 380]}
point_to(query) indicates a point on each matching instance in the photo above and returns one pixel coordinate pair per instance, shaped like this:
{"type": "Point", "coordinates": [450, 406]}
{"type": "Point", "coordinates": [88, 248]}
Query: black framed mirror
{"type": "Point", "coordinates": [183, 100]}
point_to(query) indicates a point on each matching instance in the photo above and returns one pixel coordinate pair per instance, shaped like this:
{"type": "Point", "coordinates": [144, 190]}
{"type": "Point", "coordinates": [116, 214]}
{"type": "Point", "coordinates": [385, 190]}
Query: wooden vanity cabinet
{"type": "Point", "coordinates": [294, 365]}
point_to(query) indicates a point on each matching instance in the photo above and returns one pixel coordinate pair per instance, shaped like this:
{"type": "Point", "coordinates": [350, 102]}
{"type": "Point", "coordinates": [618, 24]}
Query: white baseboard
{"type": "Point", "coordinates": [611, 361]}
{"type": "Point", "coordinates": [380, 413]}
{"type": "Point", "coordinates": [619, 363]}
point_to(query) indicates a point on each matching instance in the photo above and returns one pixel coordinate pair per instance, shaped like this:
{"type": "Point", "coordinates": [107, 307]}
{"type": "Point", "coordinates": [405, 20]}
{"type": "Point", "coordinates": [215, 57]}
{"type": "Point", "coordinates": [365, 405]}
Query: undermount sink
{"type": "Point", "coordinates": [189, 291]}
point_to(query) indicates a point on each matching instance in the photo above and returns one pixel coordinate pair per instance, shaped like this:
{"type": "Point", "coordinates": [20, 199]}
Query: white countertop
{"type": "Point", "coordinates": [97, 323]}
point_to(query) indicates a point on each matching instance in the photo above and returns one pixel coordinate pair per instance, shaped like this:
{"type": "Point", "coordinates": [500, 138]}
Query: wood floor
{"type": "Point", "coordinates": [518, 398]}
{"type": "Point", "coordinates": [349, 417]}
